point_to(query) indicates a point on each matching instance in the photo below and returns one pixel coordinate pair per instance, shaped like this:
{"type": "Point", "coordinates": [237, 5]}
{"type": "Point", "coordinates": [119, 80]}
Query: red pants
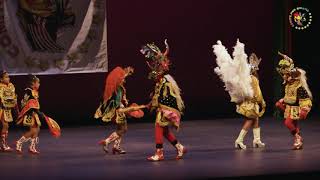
{"type": "Point", "coordinates": [164, 131]}
{"type": "Point", "coordinates": [292, 125]}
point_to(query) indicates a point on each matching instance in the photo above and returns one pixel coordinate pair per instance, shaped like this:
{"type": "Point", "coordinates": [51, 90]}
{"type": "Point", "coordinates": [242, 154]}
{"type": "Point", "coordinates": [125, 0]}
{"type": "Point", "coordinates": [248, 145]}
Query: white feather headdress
{"type": "Point", "coordinates": [235, 73]}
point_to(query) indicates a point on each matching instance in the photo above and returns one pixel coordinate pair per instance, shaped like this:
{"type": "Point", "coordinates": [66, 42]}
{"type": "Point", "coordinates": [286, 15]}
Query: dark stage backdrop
{"type": "Point", "coordinates": [191, 27]}
{"type": "Point", "coordinates": [300, 45]}
{"type": "Point", "coordinates": [305, 49]}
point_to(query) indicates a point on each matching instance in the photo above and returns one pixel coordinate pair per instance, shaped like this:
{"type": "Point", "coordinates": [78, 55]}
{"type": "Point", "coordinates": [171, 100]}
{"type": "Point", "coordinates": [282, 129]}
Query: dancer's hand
{"type": "Point", "coordinates": [262, 108]}
{"type": "Point", "coordinates": [280, 104]}
{"type": "Point", "coordinates": [149, 105]}
{"type": "Point", "coordinates": [263, 104]}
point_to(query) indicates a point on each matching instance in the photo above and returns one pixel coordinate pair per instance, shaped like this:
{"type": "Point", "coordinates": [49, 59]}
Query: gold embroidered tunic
{"type": "Point", "coordinates": [109, 110]}
{"type": "Point", "coordinates": [165, 102]}
{"type": "Point", "coordinates": [8, 101]}
{"type": "Point", "coordinates": [253, 108]}
{"type": "Point", "coordinates": [295, 99]}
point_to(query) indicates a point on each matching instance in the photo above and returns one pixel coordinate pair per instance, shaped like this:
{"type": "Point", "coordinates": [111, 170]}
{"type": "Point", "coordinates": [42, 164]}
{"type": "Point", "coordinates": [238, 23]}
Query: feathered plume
{"type": "Point", "coordinates": [112, 82]}
{"type": "Point", "coordinates": [235, 73]}
{"type": "Point", "coordinates": [176, 91]}
{"type": "Point", "coordinates": [303, 79]}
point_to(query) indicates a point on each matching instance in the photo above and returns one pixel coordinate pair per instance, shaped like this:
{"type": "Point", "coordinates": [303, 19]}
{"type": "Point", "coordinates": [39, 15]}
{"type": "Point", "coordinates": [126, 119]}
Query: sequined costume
{"type": "Point", "coordinates": [114, 107]}
{"type": "Point", "coordinates": [8, 104]}
{"type": "Point", "coordinates": [32, 117]}
{"type": "Point", "coordinates": [166, 100]}
{"type": "Point", "coordinates": [297, 100]}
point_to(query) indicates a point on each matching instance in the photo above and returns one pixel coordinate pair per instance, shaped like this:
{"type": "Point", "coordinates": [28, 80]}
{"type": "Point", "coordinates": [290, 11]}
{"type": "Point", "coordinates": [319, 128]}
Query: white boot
{"type": "Point", "coordinates": [256, 139]}
{"type": "Point", "coordinates": [32, 148]}
{"type": "Point", "coordinates": [298, 142]}
{"type": "Point", "coordinates": [20, 142]}
{"type": "Point", "coordinates": [181, 150]}
{"type": "Point", "coordinates": [105, 143]}
{"type": "Point", "coordinates": [239, 142]}
{"type": "Point", "coordinates": [117, 148]}
{"type": "Point", "coordinates": [4, 144]}
{"type": "Point", "coordinates": [158, 156]}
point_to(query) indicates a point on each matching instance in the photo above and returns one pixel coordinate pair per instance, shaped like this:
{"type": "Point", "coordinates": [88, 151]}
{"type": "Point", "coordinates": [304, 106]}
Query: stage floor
{"type": "Point", "coordinates": [76, 155]}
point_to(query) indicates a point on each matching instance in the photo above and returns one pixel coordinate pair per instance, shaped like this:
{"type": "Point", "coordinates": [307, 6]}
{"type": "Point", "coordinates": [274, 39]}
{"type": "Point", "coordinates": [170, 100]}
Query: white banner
{"type": "Point", "coordinates": [53, 36]}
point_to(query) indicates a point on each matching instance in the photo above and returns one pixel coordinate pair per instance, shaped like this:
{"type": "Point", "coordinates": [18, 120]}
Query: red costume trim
{"type": "Point", "coordinates": [53, 127]}
{"type": "Point", "coordinates": [31, 104]}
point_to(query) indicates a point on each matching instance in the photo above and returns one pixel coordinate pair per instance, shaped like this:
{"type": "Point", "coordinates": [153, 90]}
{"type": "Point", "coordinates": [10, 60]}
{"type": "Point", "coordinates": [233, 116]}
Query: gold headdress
{"type": "Point", "coordinates": [285, 65]}
{"type": "Point", "coordinates": [254, 62]}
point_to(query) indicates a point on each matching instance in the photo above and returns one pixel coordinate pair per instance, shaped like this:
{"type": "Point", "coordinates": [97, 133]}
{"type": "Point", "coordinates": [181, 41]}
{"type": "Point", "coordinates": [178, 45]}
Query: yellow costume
{"type": "Point", "coordinates": [295, 99]}
{"type": "Point", "coordinates": [108, 110]}
{"type": "Point", "coordinates": [239, 75]}
{"type": "Point", "coordinates": [166, 101]}
{"type": "Point", "coordinates": [8, 101]}
{"type": "Point", "coordinates": [254, 107]}
{"type": "Point", "coordinates": [114, 107]}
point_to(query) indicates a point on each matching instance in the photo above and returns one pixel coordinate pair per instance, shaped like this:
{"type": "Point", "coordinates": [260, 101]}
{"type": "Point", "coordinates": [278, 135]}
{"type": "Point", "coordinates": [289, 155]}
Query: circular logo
{"type": "Point", "coordinates": [300, 18]}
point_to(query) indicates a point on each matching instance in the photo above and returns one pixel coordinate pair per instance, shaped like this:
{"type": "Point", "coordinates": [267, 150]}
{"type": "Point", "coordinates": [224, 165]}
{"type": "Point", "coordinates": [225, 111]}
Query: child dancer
{"type": "Point", "coordinates": [32, 117]}
{"type": "Point", "coordinates": [166, 100]}
{"type": "Point", "coordinates": [114, 108]}
{"type": "Point", "coordinates": [8, 103]}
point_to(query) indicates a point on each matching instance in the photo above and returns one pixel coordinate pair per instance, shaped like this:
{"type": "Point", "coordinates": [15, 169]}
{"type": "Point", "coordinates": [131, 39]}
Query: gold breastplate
{"type": "Point", "coordinates": [8, 96]}
{"type": "Point", "coordinates": [291, 92]}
